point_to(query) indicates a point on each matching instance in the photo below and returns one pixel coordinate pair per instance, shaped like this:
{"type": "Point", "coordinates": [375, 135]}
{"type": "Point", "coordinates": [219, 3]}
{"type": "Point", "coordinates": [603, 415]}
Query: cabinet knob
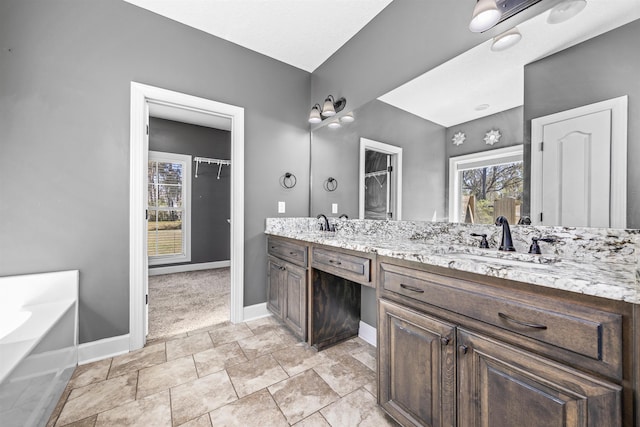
{"type": "Point", "coordinates": [445, 340]}
{"type": "Point", "coordinates": [463, 349]}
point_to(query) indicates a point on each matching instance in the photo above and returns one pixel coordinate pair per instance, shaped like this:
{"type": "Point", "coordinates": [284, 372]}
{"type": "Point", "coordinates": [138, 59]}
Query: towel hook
{"type": "Point", "coordinates": [288, 180]}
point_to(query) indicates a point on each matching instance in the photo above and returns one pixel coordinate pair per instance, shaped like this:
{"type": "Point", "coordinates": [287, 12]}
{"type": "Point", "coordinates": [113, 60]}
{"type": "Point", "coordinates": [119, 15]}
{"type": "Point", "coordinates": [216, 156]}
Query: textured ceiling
{"type": "Point", "coordinates": [302, 33]}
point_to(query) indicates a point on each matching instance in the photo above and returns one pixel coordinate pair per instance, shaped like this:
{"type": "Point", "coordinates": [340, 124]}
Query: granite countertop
{"type": "Point", "coordinates": [611, 280]}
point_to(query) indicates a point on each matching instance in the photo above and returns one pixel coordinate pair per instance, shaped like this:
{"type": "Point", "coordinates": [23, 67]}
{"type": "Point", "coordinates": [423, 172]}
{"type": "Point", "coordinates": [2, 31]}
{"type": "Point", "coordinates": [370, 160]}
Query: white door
{"type": "Point", "coordinates": [576, 163]}
{"type": "Point", "coordinates": [578, 167]}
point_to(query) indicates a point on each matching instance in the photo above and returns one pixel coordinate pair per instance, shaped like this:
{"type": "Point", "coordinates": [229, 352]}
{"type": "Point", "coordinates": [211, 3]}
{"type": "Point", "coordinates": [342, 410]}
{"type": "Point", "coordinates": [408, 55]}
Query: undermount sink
{"type": "Point", "coordinates": [507, 262]}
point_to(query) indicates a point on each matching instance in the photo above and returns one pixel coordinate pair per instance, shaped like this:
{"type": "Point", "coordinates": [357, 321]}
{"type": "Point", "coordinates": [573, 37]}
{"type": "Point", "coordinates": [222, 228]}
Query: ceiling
{"type": "Point", "coordinates": [451, 93]}
{"type": "Point", "coordinates": [302, 33]}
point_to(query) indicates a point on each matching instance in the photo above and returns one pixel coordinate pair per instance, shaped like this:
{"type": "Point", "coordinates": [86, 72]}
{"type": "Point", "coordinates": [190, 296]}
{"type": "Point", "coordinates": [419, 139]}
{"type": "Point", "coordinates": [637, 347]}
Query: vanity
{"type": "Point", "coordinates": [468, 336]}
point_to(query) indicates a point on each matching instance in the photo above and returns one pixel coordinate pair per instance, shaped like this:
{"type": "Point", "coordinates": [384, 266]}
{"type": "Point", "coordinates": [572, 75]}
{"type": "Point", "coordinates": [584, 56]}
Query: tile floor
{"type": "Point", "coordinates": [250, 374]}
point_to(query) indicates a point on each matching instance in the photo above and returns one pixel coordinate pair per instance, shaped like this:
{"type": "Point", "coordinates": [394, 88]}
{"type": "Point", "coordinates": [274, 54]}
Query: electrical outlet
{"type": "Point", "coordinates": [281, 207]}
{"type": "Point", "coordinates": [334, 208]}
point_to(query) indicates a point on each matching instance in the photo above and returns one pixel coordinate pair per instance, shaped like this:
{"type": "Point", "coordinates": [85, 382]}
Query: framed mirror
{"type": "Point", "coordinates": [588, 59]}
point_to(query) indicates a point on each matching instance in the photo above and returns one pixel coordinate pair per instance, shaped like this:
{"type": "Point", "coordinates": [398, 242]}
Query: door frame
{"type": "Point", "coordinates": [618, 184]}
{"type": "Point", "coordinates": [381, 147]}
{"type": "Point", "coordinates": [141, 96]}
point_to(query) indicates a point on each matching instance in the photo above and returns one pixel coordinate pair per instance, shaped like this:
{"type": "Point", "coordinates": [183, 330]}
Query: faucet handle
{"type": "Point", "coordinates": [483, 243]}
{"type": "Point", "coordinates": [535, 248]}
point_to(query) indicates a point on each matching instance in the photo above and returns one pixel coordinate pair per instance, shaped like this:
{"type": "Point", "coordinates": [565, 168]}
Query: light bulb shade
{"type": "Point", "coordinates": [506, 40]}
{"type": "Point", "coordinates": [314, 115]}
{"type": "Point", "coordinates": [565, 11]}
{"type": "Point", "coordinates": [347, 118]}
{"type": "Point", "coordinates": [334, 125]}
{"type": "Point", "coordinates": [485, 15]}
{"type": "Point", "coordinates": [328, 109]}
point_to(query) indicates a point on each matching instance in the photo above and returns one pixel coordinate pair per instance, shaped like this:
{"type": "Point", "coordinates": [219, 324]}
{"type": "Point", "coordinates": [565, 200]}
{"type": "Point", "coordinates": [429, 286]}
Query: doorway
{"type": "Point", "coordinates": [380, 180]}
{"type": "Point", "coordinates": [142, 96]}
{"type": "Point", "coordinates": [189, 196]}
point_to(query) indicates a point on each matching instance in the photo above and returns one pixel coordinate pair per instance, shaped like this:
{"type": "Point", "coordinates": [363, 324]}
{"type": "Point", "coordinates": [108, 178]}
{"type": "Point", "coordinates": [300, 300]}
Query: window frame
{"type": "Point", "coordinates": [186, 160]}
{"type": "Point", "coordinates": [480, 159]}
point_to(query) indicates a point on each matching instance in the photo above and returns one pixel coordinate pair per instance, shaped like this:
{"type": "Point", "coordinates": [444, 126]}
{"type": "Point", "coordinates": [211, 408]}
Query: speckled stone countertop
{"type": "Point", "coordinates": [599, 262]}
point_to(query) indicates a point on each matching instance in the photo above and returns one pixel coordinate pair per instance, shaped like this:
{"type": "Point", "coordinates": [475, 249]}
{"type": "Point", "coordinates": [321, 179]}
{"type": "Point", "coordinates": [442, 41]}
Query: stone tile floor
{"type": "Point", "coordinates": [250, 374]}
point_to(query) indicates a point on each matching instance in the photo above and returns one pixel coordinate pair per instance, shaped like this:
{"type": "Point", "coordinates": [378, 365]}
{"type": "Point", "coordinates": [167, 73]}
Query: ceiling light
{"type": "Point", "coordinates": [314, 115]}
{"type": "Point", "coordinates": [565, 11]}
{"type": "Point", "coordinates": [506, 40]}
{"type": "Point", "coordinates": [347, 118]}
{"type": "Point", "coordinates": [334, 124]}
{"type": "Point", "coordinates": [485, 15]}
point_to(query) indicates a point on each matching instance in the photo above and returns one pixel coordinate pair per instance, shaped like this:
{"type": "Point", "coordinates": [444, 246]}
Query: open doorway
{"type": "Point", "coordinates": [380, 180]}
{"type": "Point", "coordinates": [144, 98]}
{"type": "Point", "coordinates": [188, 241]}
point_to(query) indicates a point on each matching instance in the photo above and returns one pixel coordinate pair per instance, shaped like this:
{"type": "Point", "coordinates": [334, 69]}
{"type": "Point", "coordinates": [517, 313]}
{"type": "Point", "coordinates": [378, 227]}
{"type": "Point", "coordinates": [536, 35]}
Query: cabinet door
{"type": "Point", "coordinates": [501, 386]}
{"type": "Point", "coordinates": [295, 306]}
{"type": "Point", "coordinates": [416, 367]}
{"type": "Point", "coordinates": [276, 286]}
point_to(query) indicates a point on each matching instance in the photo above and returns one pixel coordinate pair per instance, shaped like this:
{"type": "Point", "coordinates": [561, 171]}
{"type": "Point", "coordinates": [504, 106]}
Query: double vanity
{"type": "Point", "coordinates": [472, 336]}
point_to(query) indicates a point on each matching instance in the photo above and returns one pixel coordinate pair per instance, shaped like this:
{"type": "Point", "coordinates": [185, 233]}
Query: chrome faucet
{"type": "Point", "coordinates": [506, 244]}
{"type": "Point", "coordinates": [325, 226]}
{"type": "Point", "coordinates": [344, 216]}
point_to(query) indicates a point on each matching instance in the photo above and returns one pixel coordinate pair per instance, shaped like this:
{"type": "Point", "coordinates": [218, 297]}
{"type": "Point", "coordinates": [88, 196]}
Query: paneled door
{"type": "Point", "coordinates": [579, 167]}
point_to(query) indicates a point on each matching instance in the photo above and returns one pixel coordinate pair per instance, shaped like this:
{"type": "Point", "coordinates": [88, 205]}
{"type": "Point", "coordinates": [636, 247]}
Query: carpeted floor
{"type": "Point", "coordinates": [183, 302]}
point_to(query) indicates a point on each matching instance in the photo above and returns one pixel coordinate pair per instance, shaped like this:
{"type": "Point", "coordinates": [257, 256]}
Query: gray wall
{"type": "Point", "coordinates": [65, 73]}
{"type": "Point", "coordinates": [604, 67]}
{"type": "Point", "coordinates": [336, 153]}
{"type": "Point", "coordinates": [210, 196]}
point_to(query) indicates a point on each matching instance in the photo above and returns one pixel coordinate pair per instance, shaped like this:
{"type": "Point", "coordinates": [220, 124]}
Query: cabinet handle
{"type": "Point", "coordinates": [282, 268]}
{"type": "Point", "coordinates": [445, 340]}
{"type": "Point", "coordinates": [520, 322]}
{"type": "Point", "coordinates": [335, 262]}
{"type": "Point", "coordinates": [412, 288]}
{"type": "Point", "coordinates": [292, 253]}
{"type": "Point", "coordinates": [273, 247]}
{"type": "Point", "coordinates": [463, 349]}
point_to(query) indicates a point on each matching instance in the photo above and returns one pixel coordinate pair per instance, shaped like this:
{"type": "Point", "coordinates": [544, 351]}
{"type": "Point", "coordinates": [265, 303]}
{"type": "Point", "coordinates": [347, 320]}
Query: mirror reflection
{"type": "Point", "coordinates": [485, 101]}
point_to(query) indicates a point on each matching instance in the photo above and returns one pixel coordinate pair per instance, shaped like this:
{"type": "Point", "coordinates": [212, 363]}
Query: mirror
{"type": "Point", "coordinates": [425, 116]}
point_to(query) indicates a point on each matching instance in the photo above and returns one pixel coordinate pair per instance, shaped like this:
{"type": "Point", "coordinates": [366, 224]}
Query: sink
{"type": "Point", "coordinates": [507, 262]}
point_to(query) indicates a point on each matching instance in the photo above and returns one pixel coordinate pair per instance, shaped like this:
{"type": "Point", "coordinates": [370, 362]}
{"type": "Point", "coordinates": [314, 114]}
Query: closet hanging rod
{"type": "Point", "coordinates": [219, 162]}
{"type": "Point", "coordinates": [374, 174]}
{"type": "Point", "coordinates": [210, 160]}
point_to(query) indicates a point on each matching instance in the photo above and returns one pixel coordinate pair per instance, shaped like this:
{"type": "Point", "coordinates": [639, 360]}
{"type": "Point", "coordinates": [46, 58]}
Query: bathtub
{"type": "Point", "coordinates": [38, 344]}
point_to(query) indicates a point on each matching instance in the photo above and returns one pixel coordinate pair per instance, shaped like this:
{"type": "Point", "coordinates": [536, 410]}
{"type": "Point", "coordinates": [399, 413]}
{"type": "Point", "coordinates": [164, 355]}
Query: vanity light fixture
{"type": "Point", "coordinates": [565, 11]}
{"type": "Point", "coordinates": [335, 124]}
{"type": "Point", "coordinates": [505, 40]}
{"type": "Point", "coordinates": [485, 15]}
{"type": "Point", "coordinates": [330, 108]}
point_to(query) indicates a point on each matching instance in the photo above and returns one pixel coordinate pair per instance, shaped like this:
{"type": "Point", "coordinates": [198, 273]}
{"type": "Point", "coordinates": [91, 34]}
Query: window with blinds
{"type": "Point", "coordinates": [169, 179]}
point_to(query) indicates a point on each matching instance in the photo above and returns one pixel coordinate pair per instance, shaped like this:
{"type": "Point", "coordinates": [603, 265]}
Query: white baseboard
{"type": "Point", "coordinates": [367, 333]}
{"type": "Point", "coordinates": [255, 311]}
{"type": "Point", "coordinates": [188, 267]}
{"type": "Point", "coordinates": [102, 349]}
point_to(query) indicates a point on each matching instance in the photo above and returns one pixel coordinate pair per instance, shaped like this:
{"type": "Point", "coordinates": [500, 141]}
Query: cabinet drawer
{"type": "Point", "coordinates": [350, 267]}
{"type": "Point", "coordinates": [289, 251]}
{"type": "Point", "coordinates": [588, 332]}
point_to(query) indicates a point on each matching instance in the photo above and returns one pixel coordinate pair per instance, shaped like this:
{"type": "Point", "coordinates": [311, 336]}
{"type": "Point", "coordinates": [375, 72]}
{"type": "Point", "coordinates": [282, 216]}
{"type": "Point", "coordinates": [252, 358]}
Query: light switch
{"type": "Point", "coordinates": [281, 207]}
{"type": "Point", "coordinates": [334, 208]}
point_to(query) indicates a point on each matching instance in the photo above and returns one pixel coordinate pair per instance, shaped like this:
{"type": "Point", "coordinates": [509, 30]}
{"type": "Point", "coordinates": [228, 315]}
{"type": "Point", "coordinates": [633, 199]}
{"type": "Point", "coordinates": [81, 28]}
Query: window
{"type": "Point", "coordinates": [169, 200]}
{"type": "Point", "coordinates": [485, 185]}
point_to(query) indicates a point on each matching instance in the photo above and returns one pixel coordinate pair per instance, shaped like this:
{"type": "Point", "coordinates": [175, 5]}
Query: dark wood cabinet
{"type": "Point", "coordinates": [287, 284]}
{"type": "Point", "coordinates": [502, 386]}
{"type": "Point", "coordinates": [416, 367]}
{"type": "Point", "coordinates": [454, 351]}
